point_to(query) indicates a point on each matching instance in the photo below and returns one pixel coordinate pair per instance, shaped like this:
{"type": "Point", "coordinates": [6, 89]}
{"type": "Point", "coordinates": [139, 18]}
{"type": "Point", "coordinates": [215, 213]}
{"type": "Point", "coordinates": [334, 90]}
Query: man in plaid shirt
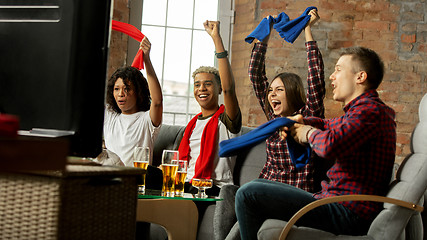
{"type": "Point", "coordinates": [362, 143]}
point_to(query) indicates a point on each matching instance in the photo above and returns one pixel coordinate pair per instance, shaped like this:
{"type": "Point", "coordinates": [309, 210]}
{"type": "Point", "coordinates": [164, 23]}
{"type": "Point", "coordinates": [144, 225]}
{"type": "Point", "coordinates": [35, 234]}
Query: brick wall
{"type": "Point", "coordinates": [397, 30]}
{"type": "Point", "coordinates": [118, 41]}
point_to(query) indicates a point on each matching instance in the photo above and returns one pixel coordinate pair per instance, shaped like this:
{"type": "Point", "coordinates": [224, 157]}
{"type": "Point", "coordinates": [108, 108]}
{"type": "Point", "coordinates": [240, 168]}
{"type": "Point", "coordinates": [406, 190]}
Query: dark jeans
{"type": "Point", "coordinates": [262, 199]}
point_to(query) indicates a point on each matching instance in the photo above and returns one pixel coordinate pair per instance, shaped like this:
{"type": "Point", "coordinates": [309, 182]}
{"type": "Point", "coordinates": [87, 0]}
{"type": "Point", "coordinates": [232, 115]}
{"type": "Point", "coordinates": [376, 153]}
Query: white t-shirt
{"type": "Point", "coordinates": [123, 132]}
{"type": "Point", "coordinates": [222, 173]}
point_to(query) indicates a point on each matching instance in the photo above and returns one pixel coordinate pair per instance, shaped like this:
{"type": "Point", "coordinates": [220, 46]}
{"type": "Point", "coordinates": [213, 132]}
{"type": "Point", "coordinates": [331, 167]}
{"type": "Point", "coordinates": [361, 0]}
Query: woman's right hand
{"type": "Point", "coordinates": [265, 40]}
{"type": "Point", "coordinates": [145, 46]}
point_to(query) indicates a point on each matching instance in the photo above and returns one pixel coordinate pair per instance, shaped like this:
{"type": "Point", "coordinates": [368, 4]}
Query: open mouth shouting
{"type": "Point", "coordinates": [276, 104]}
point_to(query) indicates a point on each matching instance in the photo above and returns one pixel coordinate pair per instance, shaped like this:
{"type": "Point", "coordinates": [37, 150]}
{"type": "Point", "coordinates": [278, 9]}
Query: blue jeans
{"type": "Point", "coordinates": [262, 199]}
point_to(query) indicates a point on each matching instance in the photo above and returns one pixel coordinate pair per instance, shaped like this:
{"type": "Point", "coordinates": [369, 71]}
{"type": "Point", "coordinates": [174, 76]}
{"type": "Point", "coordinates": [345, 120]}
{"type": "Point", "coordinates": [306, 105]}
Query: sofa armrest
{"type": "Point", "coordinates": [345, 198]}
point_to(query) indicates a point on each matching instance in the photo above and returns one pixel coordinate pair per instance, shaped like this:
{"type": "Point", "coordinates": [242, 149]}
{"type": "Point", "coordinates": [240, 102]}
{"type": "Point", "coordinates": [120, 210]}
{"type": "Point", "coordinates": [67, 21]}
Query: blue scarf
{"type": "Point", "coordinates": [300, 155]}
{"type": "Point", "coordinates": [288, 30]}
{"type": "Point", "coordinates": [263, 29]}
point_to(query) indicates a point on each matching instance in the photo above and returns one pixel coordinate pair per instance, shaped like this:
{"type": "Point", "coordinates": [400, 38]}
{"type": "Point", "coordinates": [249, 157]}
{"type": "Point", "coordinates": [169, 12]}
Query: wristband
{"type": "Point", "coordinates": [221, 54]}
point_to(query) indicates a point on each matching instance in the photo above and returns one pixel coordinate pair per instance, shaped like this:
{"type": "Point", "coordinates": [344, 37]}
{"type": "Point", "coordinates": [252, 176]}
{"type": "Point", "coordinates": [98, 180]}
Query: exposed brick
{"type": "Point", "coordinates": [406, 127]}
{"type": "Point", "coordinates": [403, 138]}
{"type": "Point", "coordinates": [408, 38]}
{"type": "Point", "coordinates": [340, 36]}
{"type": "Point", "coordinates": [406, 149]}
{"type": "Point", "coordinates": [402, 66]}
{"type": "Point", "coordinates": [412, 77]}
{"type": "Point", "coordinates": [408, 98]}
{"type": "Point", "coordinates": [421, 27]}
{"type": "Point", "coordinates": [387, 16]}
{"type": "Point", "coordinates": [412, 16]}
{"type": "Point", "coordinates": [370, 6]}
{"type": "Point", "coordinates": [388, 56]}
{"type": "Point", "coordinates": [338, 5]}
{"type": "Point", "coordinates": [373, 25]}
{"type": "Point", "coordinates": [399, 150]}
{"type": "Point", "coordinates": [345, 16]}
{"type": "Point", "coordinates": [393, 27]}
{"type": "Point", "coordinates": [273, 5]}
{"type": "Point", "coordinates": [326, 16]}
{"type": "Point", "coordinates": [398, 107]}
{"type": "Point", "coordinates": [377, 45]}
{"type": "Point", "coordinates": [409, 27]}
{"type": "Point", "coordinates": [388, 95]}
{"type": "Point", "coordinates": [404, 117]}
{"type": "Point", "coordinates": [340, 44]}
{"type": "Point", "coordinates": [422, 48]}
{"type": "Point", "coordinates": [406, 47]}
{"type": "Point", "coordinates": [371, 35]}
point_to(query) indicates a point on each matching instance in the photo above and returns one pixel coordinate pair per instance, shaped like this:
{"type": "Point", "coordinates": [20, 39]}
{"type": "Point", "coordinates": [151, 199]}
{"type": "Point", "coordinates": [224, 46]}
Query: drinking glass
{"type": "Point", "coordinates": [181, 175]}
{"type": "Point", "coordinates": [201, 185]}
{"type": "Point", "coordinates": [169, 169]}
{"type": "Point", "coordinates": [141, 159]}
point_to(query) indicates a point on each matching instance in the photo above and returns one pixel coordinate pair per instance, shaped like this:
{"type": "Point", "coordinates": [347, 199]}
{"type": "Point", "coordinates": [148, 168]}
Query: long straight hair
{"type": "Point", "coordinates": [294, 89]}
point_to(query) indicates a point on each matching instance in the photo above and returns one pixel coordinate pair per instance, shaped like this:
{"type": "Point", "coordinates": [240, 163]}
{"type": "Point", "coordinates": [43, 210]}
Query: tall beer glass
{"type": "Point", "coordinates": [181, 175]}
{"type": "Point", "coordinates": [169, 168]}
{"type": "Point", "coordinates": [141, 159]}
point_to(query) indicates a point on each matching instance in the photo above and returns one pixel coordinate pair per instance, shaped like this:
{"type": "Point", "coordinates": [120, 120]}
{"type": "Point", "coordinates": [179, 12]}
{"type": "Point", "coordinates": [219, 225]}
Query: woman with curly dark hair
{"type": "Point", "coordinates": [133, 114]}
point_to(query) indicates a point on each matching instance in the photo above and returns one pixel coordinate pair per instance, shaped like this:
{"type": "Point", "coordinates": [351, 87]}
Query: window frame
{"type": "Point", "coordinates": [226, 15]}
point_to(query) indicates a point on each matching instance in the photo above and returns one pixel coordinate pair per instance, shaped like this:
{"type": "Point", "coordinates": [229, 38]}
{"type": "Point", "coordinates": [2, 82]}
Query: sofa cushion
{"type": "Point", "coordinates": [169, 138]}
{"type": "Point", "coordinates": [249, 162]}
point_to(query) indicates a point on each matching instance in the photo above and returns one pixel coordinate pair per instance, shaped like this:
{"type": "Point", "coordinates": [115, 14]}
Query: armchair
{"type": "Point", "coordinates": [400, 218]}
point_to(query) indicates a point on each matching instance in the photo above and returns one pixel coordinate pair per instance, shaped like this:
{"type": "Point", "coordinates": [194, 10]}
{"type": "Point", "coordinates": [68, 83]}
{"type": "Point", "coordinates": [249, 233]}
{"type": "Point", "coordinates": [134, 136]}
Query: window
{"type": "Point", "coordinates": [180, 45]}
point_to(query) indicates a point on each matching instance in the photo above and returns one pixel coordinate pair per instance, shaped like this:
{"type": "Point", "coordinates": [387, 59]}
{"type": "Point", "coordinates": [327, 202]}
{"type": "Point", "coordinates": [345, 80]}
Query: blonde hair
{"type": "Point", "coordinates": [207, 69]}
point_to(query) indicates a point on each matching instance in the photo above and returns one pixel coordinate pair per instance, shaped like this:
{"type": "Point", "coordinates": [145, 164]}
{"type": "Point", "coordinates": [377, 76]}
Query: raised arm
{"type": "Point", "coordinates": [227, 80]}
{"type": "Point", "coordinates": [156, 108]}
{"type": "Point", "coordinates": [313, 19]}
{"type": "Point", "coordinates": [257, 73]}
{"type": "Point", "coordinates": [316, 76]}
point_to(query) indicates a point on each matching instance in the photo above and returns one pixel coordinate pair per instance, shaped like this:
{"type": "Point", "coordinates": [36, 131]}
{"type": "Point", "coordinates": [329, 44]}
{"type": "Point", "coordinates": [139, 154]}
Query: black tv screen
{"type": "Point", "coordinates": [53, 68]}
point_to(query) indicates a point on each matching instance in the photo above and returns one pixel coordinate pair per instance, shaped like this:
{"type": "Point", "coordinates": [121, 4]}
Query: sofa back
{"type": "Point", "coordinates": [249, 162]}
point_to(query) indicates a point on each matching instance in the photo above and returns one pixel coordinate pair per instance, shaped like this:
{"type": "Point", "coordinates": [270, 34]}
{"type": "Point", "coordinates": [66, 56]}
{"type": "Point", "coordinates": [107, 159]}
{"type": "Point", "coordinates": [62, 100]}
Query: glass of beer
{"type": "Point", "coordinates": [141, 159]}
{"type": "Point", "coordinates": [181, 175]}
{"type": "Point", "coordinates": [169, 169]}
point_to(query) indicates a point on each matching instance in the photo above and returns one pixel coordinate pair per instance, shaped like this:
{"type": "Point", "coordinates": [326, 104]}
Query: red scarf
{"type": "Point", "coordinates": [138, 61]}
{"type": "Point", "coordinates": [209, 144]}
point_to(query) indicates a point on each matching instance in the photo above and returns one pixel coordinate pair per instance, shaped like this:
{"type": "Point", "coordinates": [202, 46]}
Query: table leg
{"type": "Point", "coordinates": [179, 217]}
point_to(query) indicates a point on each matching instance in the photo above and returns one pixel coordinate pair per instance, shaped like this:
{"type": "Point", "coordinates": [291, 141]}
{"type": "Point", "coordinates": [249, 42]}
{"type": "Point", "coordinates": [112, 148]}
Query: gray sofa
{"type": "Point", "coordinates": [248, 166]}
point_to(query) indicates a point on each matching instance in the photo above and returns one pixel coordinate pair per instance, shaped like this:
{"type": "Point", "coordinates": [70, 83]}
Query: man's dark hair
{"type": "Point", "coordinates": [368, 61]}
{"type": "Point", "coordinates": [133, 79]}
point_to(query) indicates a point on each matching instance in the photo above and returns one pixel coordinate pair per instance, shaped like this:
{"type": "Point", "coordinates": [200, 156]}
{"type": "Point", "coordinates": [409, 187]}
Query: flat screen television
{"type": "Point", "coordinates": [53, 68]}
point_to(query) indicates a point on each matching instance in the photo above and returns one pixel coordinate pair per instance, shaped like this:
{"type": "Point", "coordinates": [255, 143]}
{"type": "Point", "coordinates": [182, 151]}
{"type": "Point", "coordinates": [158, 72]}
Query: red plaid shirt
{"type": "Point", "coordinates": [363, 144]}
{"type": "Point", "coordinates": [279, 166]}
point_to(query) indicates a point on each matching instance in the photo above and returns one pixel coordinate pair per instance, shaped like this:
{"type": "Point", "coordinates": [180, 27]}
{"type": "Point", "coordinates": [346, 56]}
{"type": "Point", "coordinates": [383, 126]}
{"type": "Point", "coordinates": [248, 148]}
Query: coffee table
{"type": "Point", "coordinates": [178, 215]}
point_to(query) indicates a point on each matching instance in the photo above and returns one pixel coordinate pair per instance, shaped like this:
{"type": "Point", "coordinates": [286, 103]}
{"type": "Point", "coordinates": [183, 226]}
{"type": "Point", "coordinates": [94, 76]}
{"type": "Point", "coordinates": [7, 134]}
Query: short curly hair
{"type": "Point", "coordinates": [207, 69]}
{"type": "Point", "coordinates": [134, 79]}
